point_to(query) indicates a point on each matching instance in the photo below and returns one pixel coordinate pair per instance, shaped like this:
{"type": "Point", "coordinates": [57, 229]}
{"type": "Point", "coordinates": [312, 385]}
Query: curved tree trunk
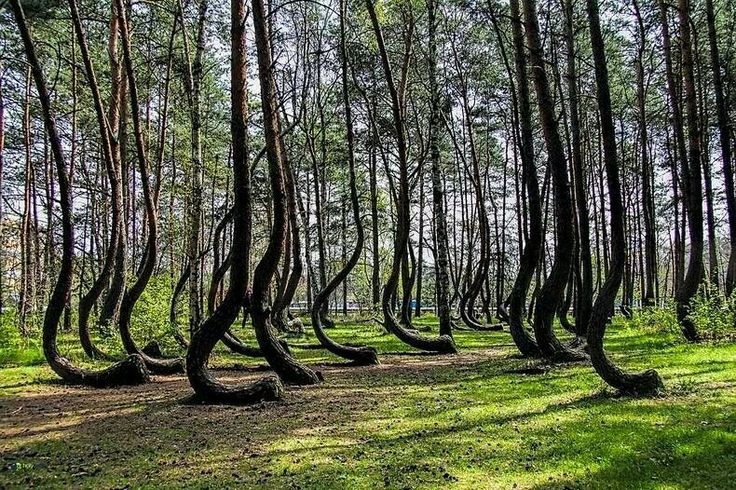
{"type": "Point", "coordinates": [218, 269]}
{"type": "Point", "coordinates": [216, 325]}
{"type": "Point", "coordinates": [291, 278]}
{"type": "Point", "coordinates": [551, 292]}
{"type": "Point", "coordinates": [533, 248]}
{"type": "Point", "coordinates": [127, 372]}
{"type": "Point", "coordinates": [444, 343]}
{"type": "Point", "coordinates": [111, 303]}
{"type": "Point", "coordinates": [584, 270]}
{"type": "Point", "coordinates": [649, 381]}
{"type": "Point", "coordinates": [359, 355]}
{"type": "Point", "coordinates": [174, 308]}
{"type": "Point", "coordinates": [408, 278]}
{"type": "Point", "coordinates": [477, 276]}
{"type": "Point", "coordinates": [87, 302]}
{"type": "Point", "coordinates": [158, 366]}
{"type": "Point", "coordinates": [287, 367]}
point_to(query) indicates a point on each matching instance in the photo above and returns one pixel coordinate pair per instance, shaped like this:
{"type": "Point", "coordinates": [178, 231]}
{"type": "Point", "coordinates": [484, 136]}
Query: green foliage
{"type": "Point", "coordinates": [657, 320]}
{"type": "Point", "coordinates": [714, 314]}
{"type": "Point", "coordinates": [151, 315]}
{"type": "Point", "coordinates": [16, 350]}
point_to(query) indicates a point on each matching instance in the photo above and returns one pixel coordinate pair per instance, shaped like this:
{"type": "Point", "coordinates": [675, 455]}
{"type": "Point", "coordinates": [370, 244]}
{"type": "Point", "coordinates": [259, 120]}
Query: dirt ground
{"type": "Point", "coordinates": [54, 434]}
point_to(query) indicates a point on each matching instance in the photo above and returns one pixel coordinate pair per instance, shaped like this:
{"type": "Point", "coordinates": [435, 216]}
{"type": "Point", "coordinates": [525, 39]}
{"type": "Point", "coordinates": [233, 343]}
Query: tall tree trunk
{"type": "Point", "coordinates": [551, 292]}
{"type": "Point", "coordinates": [2, 156]}
{"type": "Point", "coordinates": [420, 250]}
{"type": "Point", "coordinates": [375, 244]}
{"type": "Point", "coordinates": [117, 107]}
{"type": "Point", "coordinates": [438, 189]}
{"type": "Point", "coordinates": [216, 325]}
{"type": "Point", "coordinates": [150, 254]}
{"type": "Point", "coordinates": [692, 178]}
{"type": "Point", "coordinates": [584, 269]}
{"type": "Point", "coordinates": [359, 355]}
{"type": "Point", "coordinates": [650, 233]}
{"type": "Point", "coordinates": [725, 141]}
{"type": "Point", "coordinates": [114, 258]}
{"type": "Point", "coordinates": [649, 381]}
{"type": "Point", "coordinates": [288, 368]}
{"type": "Point", "coordinates": [531, 254]}
{"type": "Point", "coordinates": [26, 248]}
{"type": "Point", "coordinates": [130, 371]}
{"type": "Point", "coordinates": [193, 85]}
{"type": "Point", "coordinates": [401, 240]}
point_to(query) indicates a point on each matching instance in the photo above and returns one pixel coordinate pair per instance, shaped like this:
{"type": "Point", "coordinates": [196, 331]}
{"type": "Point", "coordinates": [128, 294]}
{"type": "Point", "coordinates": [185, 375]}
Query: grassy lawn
{"type": "Point", "coordinates": [416, 421]}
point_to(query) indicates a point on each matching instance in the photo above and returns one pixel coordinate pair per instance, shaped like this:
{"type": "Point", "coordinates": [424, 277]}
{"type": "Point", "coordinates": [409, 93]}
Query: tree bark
{"type": "Point", "coordinates": [531, 254]}
{"type": "Point", "coordinates": [551, 292]}
{"type": "Point", "coordinates": [438, 190]}
{"type": "Point", "coordinates": [287, 367]}
{"type": "Point", "coordinates": [725, 141]}
{"type": "Point", "coordinates": [692, 179]}
{"type": "Point", "coordinates": [444, 343]}
{"type": "Point", "coordinates": [584, 269]}
{"type": "Point", "coordinates": [130, 371]}
{"type": "Point", "coordinates": [132, 294]}
{"type": "Point", "coordinates": [649, 381]}
{"type": "Point", "coordinates": [648, 212]}
{"type": "Point", "coordinates": [216, 325]}
{"type": "Point", "coordinates": [112, 256]}
{"type": "Point", "coordinates": [117, 108]}
{"type": "Point", "coordinates": [359, 355]}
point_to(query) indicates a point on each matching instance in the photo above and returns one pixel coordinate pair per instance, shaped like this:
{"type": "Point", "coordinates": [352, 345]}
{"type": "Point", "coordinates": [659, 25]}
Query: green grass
{"type": "Point", "coordinates": [466, 421]}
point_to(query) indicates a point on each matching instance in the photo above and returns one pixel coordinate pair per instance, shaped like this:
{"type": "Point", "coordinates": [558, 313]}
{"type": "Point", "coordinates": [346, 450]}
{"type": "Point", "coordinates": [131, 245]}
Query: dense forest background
{"type": "Point", "coordinates": [442, 146]}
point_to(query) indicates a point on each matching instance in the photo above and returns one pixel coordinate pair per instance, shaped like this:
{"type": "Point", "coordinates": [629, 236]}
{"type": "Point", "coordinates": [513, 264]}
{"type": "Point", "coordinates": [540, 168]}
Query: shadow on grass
{"type": "Point", "coordinates": [463, 420]}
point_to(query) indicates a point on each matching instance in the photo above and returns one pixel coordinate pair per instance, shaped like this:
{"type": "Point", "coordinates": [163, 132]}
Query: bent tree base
{"type": "Point", "coordinates": [646, 383]}
{"type": "Point", "coordinates": [131, 370]}
{"type": "Point", "coordinates": [444, 344]}
{"type": "Point", "coordinates": [206, 387]}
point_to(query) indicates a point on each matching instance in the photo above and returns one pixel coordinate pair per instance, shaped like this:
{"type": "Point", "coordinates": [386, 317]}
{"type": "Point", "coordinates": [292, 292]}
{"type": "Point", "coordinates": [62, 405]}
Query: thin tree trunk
{"type": "Point", "coordinates": [438, 190]}
{"type": "Point", "coordinates": [132, 294]}
{"type": "Point", "coordinates": [649, 297]}
{"type": "Point", "coordinates": [2, 155]}
{"type": "Point", "coordinates": [584, 269]}
{"type": "Point", "coordinates": [530, 257]}
{"type": "Point", "coordinates": [725, 141]}
{"type": "Point", "coordinates": [359, 355]}
{"type": "Point", "coordinates": [117, 108]}
{"type": "Point", "coordinates": [692, 178]}
{"type": "Point", "coordinates": [401, 240]}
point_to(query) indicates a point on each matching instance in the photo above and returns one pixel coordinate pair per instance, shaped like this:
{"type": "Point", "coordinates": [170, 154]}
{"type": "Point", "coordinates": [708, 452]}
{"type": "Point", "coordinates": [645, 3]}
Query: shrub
{"type": "Point", "coordinates": [714, 314]}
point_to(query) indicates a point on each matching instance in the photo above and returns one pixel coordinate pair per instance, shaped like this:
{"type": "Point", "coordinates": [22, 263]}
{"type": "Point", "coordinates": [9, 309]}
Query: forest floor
{"type": "Point", "coordinates": [481, 419]}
